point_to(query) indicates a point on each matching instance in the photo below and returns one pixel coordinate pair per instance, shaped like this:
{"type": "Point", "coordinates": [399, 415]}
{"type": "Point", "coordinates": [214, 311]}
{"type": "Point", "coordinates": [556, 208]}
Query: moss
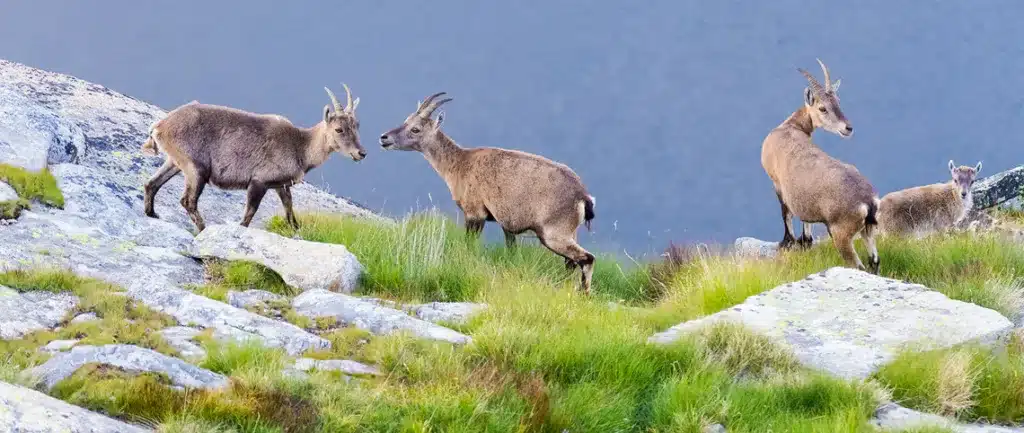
{"type": "Point", "coordinates": [40, 186]}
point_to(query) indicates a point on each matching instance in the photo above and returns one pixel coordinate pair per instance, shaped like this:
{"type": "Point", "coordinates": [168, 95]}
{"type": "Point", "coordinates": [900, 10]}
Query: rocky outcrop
{"type": "Point", "coordinates": [893, 417]}
{"type": "Point", "coordinates": [24, 410]}
{"type": "Point", "coordinates": [252, 298]}
{"type": "Point", "coordinates": [370, 316]}
{"type": "Point", "coordinates": [7, 193]}
{"type": "Point", "coordinates": [129, 358]}
{"type": "Point", "coordinates": [341, 365]}
{"type": "Point", "coordinates": [445, 312]}
{"type": "Point", "coordinates": [302, 264]}
{"type": "Point", "coordinates": [23, 313]}
{"type": "Point", "coordinates": [1004, 188]}
{"type": "Point", "coordinates": [848, 322]}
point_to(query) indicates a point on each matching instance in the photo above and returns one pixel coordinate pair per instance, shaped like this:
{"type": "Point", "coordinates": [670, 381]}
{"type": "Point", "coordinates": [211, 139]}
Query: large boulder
{"type": "Point", "coordinates": [1004, 188]}
{"type": "Point", "coordinates": [848, 322]}
{"type": "Point", "coordinates": [23, 313]}
{"type": "Point", "coordinates": [129, 358]}
{"type": "Point", "coordinates": [302, 264]}
{"type": "Point", "coordinates": [370, 316]}
{"type": "Point", "coordinates": [24, 410]}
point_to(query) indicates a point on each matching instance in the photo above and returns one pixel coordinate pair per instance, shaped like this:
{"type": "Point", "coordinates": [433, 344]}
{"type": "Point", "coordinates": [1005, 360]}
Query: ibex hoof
{"type": "Point", "coordinates": [786, 243]}
{"type": "Point", "coordinates": [805, 242]}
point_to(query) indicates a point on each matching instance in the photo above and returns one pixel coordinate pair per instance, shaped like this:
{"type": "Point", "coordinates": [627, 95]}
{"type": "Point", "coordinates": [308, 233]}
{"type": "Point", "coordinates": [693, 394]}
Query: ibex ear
{"type": "Point", "coordinates": [808, 96]}
{"type": "Point", "coordinates": [977, 168]}
{"type": "Point", "coordinates": [835, 85]}
{"type": "Point", "coordinates": [951, 165]}
{"type": "Point", "coordinates": [354, 105]}
{"type": "Point", "coordinates": [440, 120]}
{"type": "Point", "coordinates": [327, 113]}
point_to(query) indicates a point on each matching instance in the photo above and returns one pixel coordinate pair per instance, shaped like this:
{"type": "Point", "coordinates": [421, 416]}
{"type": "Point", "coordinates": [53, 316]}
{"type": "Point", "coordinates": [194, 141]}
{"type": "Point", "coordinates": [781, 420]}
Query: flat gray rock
{"type": "Point", "coordinates": [302, 264]}
{"type": "Point", "coordinates": [445, 312]}
{"type": "Point", "coordinates": [755, 248]}
{"type": "Point", "coordinates": [370, 316]}
{"type": "Point", "coordinates": [59, 345]}
{"type": "Point", "coordinates": [848, 322]}
{"type": "Point", "coordinates": [343, 365]}
{"type": "Point", "coordinates": [24, 410]}
{"type": "Point", "coordinates": [85, 317]}
{"type": "Point", "coordinates": [23, 313]}
{"type": "Point", "coordinates": [893, 417]}
{"type": "Point", "coordinates": [251, 298]}
{"type": "Point", "coordinates": [7, 193]}
{"type": "Point", "coordinates": [130, 358]}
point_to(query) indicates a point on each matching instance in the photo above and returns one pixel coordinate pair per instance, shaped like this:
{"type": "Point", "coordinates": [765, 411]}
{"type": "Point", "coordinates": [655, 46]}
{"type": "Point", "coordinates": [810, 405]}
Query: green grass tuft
{"type": "Point", "coordinates": [40, 186]}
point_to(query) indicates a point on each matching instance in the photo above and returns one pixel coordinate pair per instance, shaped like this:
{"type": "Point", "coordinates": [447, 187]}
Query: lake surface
{"type": "Point", "coordinates": [660, 106]}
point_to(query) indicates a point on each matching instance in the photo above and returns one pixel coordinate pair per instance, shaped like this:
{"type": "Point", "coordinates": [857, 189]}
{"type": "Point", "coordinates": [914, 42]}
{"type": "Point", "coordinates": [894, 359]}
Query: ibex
{"type": "Point", "coordinates": [518, 190]}
{"type": "Point", "coordinates": [235, 149]}
{"type": "Point", "coordinates": [930, 208]}
{"type": "Point", "coordinates": [815, 187]}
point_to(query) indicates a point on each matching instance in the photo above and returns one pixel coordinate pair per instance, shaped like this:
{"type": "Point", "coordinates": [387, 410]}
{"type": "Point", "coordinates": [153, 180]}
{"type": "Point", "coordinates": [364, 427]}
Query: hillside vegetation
{"type": "Point", "coordinates": [545, 358]}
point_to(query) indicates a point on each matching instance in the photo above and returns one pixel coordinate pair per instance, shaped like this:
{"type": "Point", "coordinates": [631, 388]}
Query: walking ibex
{"type": "Point", "coordinates": [518, 190]}
{"type": "Point", "coordinates": [812, 185]}
{"type": "Point", "coordinates": [921, 210]}
{"type": "Point", "coordinates": [235, 149]}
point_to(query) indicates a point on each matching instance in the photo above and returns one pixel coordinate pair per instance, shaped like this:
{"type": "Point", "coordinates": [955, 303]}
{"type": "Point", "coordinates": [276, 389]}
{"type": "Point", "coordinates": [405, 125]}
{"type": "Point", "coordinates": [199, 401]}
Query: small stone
{"type": "Point", "coordinates": [59, 345]}
{"type": "Point", "coordinates": [85, 317]}
{"type": "Point", "coordinates": [252, 298]}
{"type": "Point", "coordinates": [714, 428]}
{"type": "Point", "coordinates": [446, 312]}
{"type": "Point", "coordinates": [343, 365]}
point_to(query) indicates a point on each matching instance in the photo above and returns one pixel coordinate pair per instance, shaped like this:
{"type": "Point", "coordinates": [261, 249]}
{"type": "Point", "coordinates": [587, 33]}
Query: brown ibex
{"type": "Point", "coordinates": [235, 149]}
{"type": "Point", "coordinates": [815, 187]}
{"type": "Point", "coordinates": [518, 190]}
{"type": "Point", "coordinates": [921, 210]}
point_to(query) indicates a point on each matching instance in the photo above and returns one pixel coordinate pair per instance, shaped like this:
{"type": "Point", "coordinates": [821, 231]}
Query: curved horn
{"type": "Point", "coordinates": [828, 80]}
{"type": "Point", "coordinates": [427, 102]}
{"type": "Point", "coordinates": [434, 106]}
{"type": "Point", "coordinates": [348, 99]}
{"type": "Point", "coordinates": [814, 84]}
{"type": "Point", "coordinates": [334, 100]}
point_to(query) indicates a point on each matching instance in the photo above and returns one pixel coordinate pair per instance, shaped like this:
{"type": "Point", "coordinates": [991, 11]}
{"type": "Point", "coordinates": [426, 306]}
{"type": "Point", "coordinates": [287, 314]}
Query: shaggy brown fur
{"type": "Point", "coordinates": [235, 149]}
{"type": "Point", "coordinates": [518, 190]}
{"type": "Point", "coordinates": [931, 208]}
{"type": "Point", "coordinates": [815, 187]}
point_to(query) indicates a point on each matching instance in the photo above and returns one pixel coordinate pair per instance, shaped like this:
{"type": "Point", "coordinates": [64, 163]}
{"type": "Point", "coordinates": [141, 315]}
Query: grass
{"type": "Point", "coordinates": [120, 319]}
{"type": "Point", "coordinates": [40, 186]}
{"type": "Point", "coordinates": [968, 382]}
{"type": "Point", "coordinates": [546, 358]}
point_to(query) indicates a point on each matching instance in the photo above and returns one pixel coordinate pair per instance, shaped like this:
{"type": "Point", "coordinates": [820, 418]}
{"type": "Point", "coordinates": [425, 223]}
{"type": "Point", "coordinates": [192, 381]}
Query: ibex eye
{"type": "Point", "coordinates": [337, 129]}
{"type": "Point", "coordinates": [415, 130]}
{"type": "Point", "coordinates": [822, 109]}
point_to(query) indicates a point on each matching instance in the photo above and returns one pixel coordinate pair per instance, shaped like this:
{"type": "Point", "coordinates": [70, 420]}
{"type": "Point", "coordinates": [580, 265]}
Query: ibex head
{"type": "Point", "coordinates": [823, 104]}
{"type": "Point", "coordinates": [419, 127]}
{"type": "Point", "coordinates": [963, 177]}
{"type": "Point", "coordinates": [342, 126]}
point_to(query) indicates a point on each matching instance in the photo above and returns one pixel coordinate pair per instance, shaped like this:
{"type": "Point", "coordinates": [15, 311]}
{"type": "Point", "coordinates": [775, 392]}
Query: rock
{"type": "Point", "coordinates": [31, 135]}
{"type": "Point", "coordinates": [250, 298]}
{"type": "Point", "coordinates": [180, 338]}
{"type": "Point", "coordinates": [369, 316]}
{"type": "Point", "coordinates": [23, 313]}
{"type": "Point", "coordinates": [7, 193]}
{"type": "Point", "coordinates": [1005, 187]}
{"type": "Point", "coordinates": [893, 417]}
{"type": "Point", "coordinates": [302, 264]}
{"type": "Point", "coordinates": [24, 410]}
{"type": "Point", "coordinates": [755, 248]}
{"type": "Point", "coordinates": [227, 321]}
{"type": "Point", "coordinates": [848, 322]}
{"type": "Point", "coordinates": [714, 428]}
{"type": "Point", "coordinates": [85, 317]}
{"type": "Point", "coordinates": [59, 345]}
{"type": "Point", "coordinates": [343, 365]}
{"type": "Point", "coordinates": [445, 312]}
{"type": "Point", "coordinates": [130, 358]}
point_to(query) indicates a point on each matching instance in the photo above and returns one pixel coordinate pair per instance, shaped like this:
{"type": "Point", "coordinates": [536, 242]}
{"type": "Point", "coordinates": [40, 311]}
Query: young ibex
{"type": "Point", "coordinates": [235, 149]}
{"type": "Point", "coordinates": [518, 190]}
{"type": "Point", "coordinates": [812, 185]}
{"type": "Point", "coordinates": [924, 209]}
